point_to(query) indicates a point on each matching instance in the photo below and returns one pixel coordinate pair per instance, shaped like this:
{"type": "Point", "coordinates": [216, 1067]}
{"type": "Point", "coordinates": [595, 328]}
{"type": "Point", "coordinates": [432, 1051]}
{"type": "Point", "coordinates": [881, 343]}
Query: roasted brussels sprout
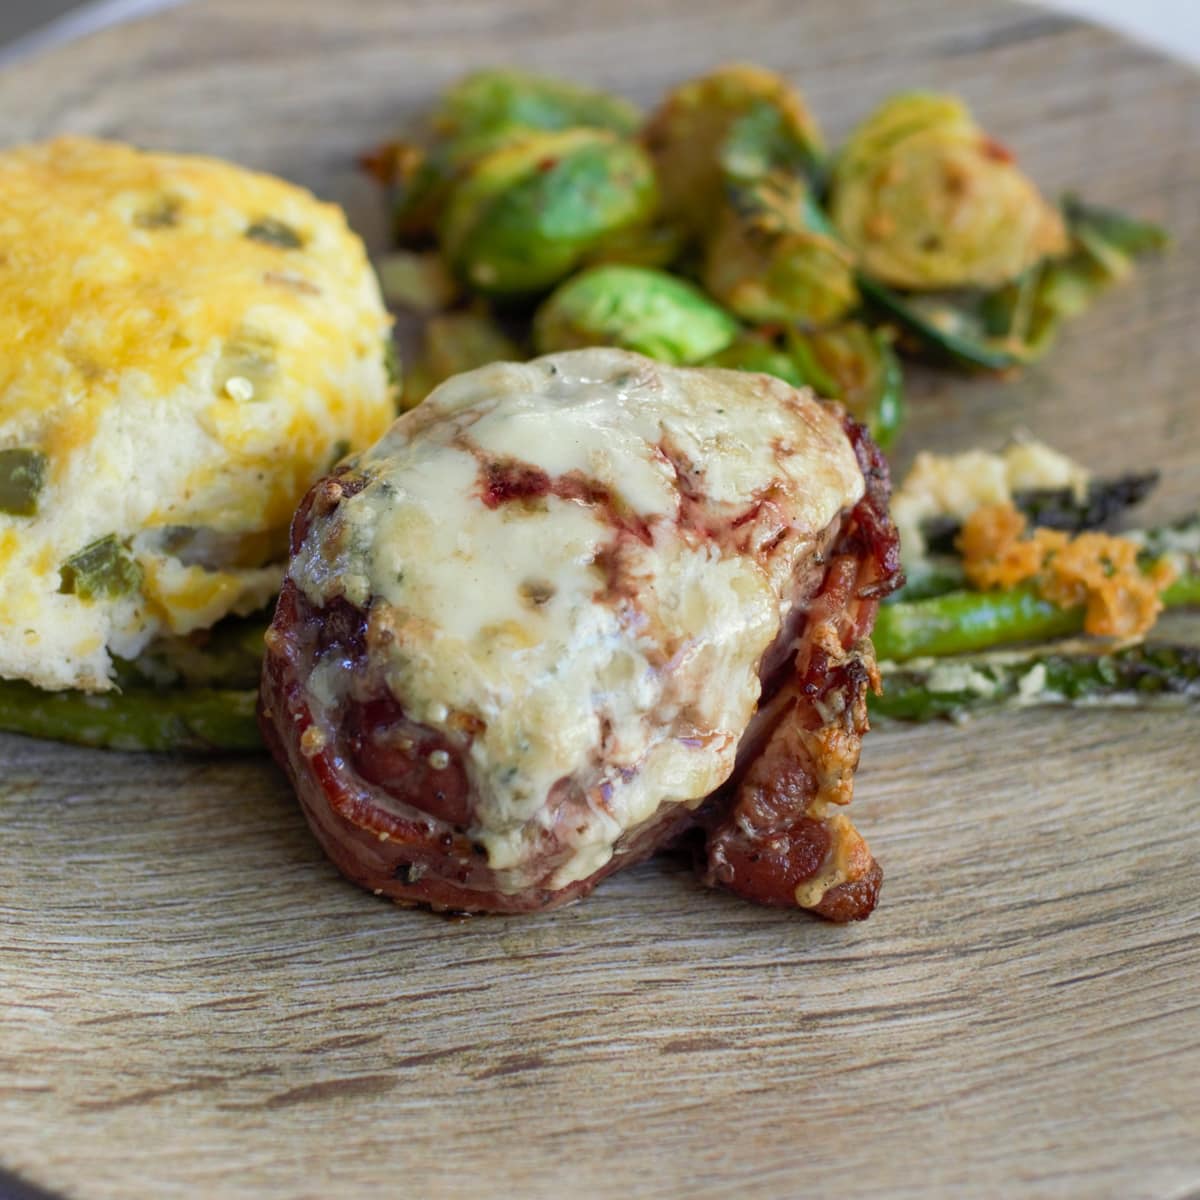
{"type": "Point", "coordinates": [857, 366]}
{"type": "Point", "coordinates": [1016, 324]}
{"type": "Point", "coordinates": [927, 201]}
{"type": "Point", "coordinates": [771, 258]}
{"type": "Point", "coordinates": [738, 124]}
{"type": "Point", "coordinates": [636, 308]}
{"type": "Point", "coordinates": [757, 351]}
{"type": "Point", "coordinates": [456, 342]}
{"type": "Point", "coordinates": [484, 111]}
{"type": "Point", "coordinates": [524, 216]}
{"type": "Point", "coordinates": [501, 98]}
{"type": "Point", "coordinates": [416, 280]}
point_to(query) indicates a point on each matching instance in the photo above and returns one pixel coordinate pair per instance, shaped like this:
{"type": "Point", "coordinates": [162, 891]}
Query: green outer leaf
{"type": "Point", "coordinates": [183, 721]}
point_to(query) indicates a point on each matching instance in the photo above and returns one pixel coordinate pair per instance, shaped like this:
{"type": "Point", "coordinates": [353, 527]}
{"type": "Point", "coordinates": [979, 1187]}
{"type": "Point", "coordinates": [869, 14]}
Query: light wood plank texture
{"type": "Point", "coordinates": [192, 1004]}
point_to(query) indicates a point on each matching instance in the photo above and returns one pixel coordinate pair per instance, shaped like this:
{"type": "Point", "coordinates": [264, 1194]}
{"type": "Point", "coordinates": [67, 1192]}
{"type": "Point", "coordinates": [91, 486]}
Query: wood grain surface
{"type": "Point", "coordinates": [193, 1004]}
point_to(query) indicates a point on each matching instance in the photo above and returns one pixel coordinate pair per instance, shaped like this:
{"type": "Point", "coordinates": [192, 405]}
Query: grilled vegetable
{"type": "Point", "coordinates": [758, 351]}
{"type": "Point", "coordinates": [181, 721]}
{"type": "Point", "coordinates": [1028, 313]}
{"type": "Point", "coordinates": [1146, 676]}
{"type": "Point", "coordinates": [964, 622]}
{"type": "Point", "coordinates": [635, 308]}
{"type": "Point", "coordinates": [771, 259]}
{"type": "Point", "coordinates": [456, 342]}
{"type": "Point", "coordinates": [857, 366]}
{"type": "Point", "coordinates": [228, 656]}
{"type": "Point", "coordinates": [415, 280]}
{"type": "Point", "coordinates": [1016, 324]}
{"type": "Point", "coordinates": [502, 98]}
{"type": "Point", "coordinates": [928, 202]}
{"type": "Point", "coordinates": [524, 216]}
{"type": "Point", "coordinates": [737, 124]}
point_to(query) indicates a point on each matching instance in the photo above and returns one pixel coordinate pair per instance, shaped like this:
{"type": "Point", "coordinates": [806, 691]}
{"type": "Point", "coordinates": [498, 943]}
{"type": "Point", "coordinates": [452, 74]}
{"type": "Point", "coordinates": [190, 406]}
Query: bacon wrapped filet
{"type": "Point", "coordinates": [568, 609]}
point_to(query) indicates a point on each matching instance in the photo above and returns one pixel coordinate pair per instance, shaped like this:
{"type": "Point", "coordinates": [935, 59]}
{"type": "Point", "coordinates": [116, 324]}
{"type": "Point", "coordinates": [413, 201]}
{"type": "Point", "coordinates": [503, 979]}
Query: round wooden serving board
{"type": "Point", "coordinates": [193, 1004]}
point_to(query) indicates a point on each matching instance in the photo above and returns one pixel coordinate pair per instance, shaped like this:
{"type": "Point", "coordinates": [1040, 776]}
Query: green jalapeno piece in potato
{"type": "Point", "coordinates": [103, 568]}
{"type": "Point", "coordinates": [22, 477]}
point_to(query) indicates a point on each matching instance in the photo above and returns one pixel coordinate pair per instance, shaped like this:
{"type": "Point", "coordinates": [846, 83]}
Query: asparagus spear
{"type": "Point", "coordinates": [965, 622]}
{"type": "Point", "coordinates": [183, 720]}
{"type": "Point", "coordinates": [1147, 676]}
{"type": "Point", "coordinates": [1179, 543]}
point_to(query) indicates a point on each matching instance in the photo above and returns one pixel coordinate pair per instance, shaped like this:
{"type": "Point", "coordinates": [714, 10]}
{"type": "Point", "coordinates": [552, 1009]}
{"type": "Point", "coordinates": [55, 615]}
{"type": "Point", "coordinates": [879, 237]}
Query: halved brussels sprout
{"type": "Point", "coordinates": [771, 258]}
{"type": "Point", "coordinates": [495, 98]}
{"type": "Point", "coordinates": [527, 214]}
{"type": "Point", "coordinates": [927, 201]}
{"type": "Point", "coordinates": [1017, 324]}
{"type": "Point", "coordinates": [636, 308]}
{"type": "Point", "coordinates": [739, 123]}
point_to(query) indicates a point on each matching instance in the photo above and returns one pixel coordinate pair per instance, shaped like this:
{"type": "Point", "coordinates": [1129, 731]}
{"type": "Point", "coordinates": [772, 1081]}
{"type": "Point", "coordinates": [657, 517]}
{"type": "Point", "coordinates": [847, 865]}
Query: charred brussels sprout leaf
{"type": "Point", "coordinates": [527, 214]}
{"type": "Point", "coordinates": [273, 232]}
{"type": "Point", "coordinates": [771, 258]}
{"type": "Point", "coordinates": [928, 201]}
{"type": "Point", "coordinates": [737, 124]}
{"type": "Point", "coordinates": [22, 477]}
{"type": "Point", "coordinates": [104, 568]}
{"type": "Point", "coordinates": [495, 99]}
{"type": "Point", "coordinates": [636, 308]}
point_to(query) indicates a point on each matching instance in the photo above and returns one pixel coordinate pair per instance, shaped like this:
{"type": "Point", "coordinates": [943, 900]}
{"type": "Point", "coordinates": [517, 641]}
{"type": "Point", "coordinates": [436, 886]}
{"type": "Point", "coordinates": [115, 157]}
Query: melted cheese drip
{"type": "Point", "coordinates": [174, 371]}
{"type": "Point", "coordinates": [504, 612]}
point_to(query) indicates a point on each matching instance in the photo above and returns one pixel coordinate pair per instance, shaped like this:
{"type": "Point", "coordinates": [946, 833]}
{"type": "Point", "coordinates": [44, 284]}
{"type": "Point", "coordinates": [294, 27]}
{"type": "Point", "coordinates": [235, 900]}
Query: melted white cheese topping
{"type": "Point", "coordinates": [636, 692]}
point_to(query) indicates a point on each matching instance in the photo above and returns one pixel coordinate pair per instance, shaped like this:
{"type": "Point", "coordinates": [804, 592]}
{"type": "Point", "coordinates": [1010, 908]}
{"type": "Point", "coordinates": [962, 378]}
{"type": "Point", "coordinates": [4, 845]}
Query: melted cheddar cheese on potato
{"type": "Point", "coordinates": [186, 346]}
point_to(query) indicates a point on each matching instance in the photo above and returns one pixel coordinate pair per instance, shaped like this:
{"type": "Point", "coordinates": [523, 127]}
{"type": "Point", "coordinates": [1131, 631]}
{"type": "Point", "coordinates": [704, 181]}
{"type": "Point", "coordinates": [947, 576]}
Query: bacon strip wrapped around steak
{"type": "Point", "coordinates": [566, 610]}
